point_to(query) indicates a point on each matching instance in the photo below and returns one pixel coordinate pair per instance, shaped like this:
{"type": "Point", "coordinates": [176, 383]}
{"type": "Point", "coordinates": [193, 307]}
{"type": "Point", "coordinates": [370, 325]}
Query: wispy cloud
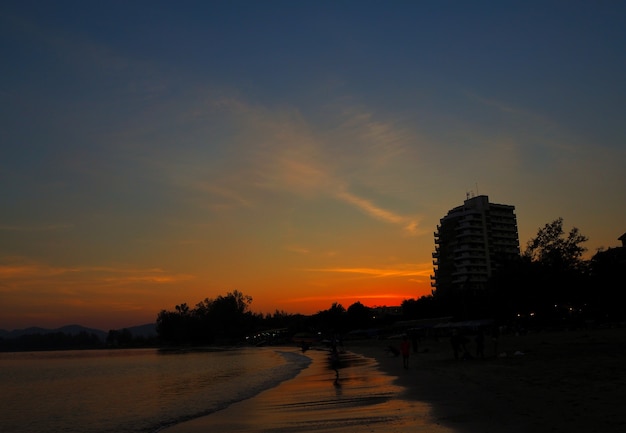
{"type": "Point", "coordinates": [397, 271]}
{"type": "Point", "coordinates": [410, 225]}
{"type": "Point", "coordinates": [14, 271]}
{"type": "Point", "coordinates": [297, 249]}
{"type": "Point", "coordinates": [295, 159]}
{"type": "Point", "coordinates": [30, 273]}
{"type": "Point", "coordinates": [380, 142]}
{"type": "Point", "coordinates": [350, 298]}
{"type": "Point", "coordinates": [279, 151]}
{"type": "Point", "coordinates": [222, 197]}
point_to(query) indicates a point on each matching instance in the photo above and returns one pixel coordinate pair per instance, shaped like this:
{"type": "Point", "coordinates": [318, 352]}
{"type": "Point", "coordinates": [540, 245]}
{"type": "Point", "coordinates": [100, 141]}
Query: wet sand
{"type": "Point", "coordinates": [364, 399]}
{"type": "Point", "coordinates": [557, 382]}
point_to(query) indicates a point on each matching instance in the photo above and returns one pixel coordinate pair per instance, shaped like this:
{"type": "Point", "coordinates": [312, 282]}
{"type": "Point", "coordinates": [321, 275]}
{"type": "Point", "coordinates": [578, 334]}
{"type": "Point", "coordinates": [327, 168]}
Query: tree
{"type": "Point", "coordinates": [551, 248]}
{"type": "Point", "coordinates": [333, 319]}
{"type": "Point", "coordinates": [607, 298]}
{"type": "Point", "coordinates": [359, 316]}
{"type": "Point", "coordinates": [213, 320]}
{"type": "Point", "coordinates": [228, 314]}
{"type": "Point", "coordinates": [175, 326]}
{"type": "Point", "coordinates": [183, 309]}
{"type": "Point", "coordinates": [549, 281]}
{"type": "Point", "coordinates": [426, 306]}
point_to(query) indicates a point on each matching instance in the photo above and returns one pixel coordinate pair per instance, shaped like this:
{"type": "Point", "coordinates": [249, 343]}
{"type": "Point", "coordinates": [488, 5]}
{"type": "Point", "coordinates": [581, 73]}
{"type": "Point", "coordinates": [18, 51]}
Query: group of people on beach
{"type": "Point", "coordinates": [405, 349]}
{"type": "Point", "coordinates": [460, 344]}
{"type": "Point", "coordinates": [459, 341]}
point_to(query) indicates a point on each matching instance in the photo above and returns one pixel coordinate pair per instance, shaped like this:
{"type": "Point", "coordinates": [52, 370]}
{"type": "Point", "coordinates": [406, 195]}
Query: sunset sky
{"type": "Point", "coordinates": [302, 152]}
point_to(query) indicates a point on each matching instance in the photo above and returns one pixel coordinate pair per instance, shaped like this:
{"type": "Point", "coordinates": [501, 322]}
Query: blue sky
{"type": "Point", "coordinates": [154, 153]}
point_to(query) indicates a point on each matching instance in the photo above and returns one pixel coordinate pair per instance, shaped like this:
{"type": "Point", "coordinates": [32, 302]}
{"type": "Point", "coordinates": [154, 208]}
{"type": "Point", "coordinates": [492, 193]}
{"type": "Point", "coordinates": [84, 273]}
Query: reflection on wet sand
{"type": "Point", "coordinates": [361, 399]}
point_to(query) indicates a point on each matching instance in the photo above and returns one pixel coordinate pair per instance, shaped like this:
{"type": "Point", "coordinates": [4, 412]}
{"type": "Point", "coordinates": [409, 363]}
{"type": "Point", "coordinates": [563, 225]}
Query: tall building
{"type": "Point", "coordinates": [470, 242]}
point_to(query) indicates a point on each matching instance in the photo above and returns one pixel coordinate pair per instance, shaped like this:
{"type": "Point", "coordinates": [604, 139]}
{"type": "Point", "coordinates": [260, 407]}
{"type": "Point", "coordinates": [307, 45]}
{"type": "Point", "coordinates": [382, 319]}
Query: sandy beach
{"type": "Point", "coordinates": [542, 382]}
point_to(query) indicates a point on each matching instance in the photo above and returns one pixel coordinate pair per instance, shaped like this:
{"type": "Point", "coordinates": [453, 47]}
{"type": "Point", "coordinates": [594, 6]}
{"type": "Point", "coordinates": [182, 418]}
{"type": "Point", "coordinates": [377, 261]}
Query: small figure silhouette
{"type": "Point", "coordinates": [334, 361]}
{"type": "Point", "coordinates": [405, 349]}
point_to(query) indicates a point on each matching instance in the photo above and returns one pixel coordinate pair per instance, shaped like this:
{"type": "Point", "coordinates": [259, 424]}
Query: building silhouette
{"type": "Point", "coordinates": [470, 242]}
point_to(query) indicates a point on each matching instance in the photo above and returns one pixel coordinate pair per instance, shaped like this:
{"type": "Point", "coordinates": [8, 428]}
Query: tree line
{"type": "Point", "coordinates": [548, 285]}
{"type": "Point", "coordinates": [228, 320]}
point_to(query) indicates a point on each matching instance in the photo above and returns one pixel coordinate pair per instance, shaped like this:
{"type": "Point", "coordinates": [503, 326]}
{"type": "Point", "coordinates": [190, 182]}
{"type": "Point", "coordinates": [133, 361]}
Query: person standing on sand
{"type": "Point", "coordinates": [334, 360]}
{"type": "Point", "coordinates": [405, 349]}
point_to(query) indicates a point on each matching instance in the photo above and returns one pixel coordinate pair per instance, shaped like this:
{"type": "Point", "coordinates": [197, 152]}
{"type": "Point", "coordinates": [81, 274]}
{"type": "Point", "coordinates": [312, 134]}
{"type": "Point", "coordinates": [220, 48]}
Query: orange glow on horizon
{"type": "Point", "coordinates": [113, 298]}
{"type": "Point", "coordinates": [371, 292]}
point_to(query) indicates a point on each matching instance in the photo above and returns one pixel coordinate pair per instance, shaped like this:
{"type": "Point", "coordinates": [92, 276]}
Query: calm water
{"type": "Point", "coordinates": [137, 390]}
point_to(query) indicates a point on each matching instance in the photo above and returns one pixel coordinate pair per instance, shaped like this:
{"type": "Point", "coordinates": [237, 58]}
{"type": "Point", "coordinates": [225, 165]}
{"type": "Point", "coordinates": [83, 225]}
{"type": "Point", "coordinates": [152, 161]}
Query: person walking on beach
{"type": "Point", "coordinates": [405, 349]}
{"type": "Point", "coordinates": [334, 361]}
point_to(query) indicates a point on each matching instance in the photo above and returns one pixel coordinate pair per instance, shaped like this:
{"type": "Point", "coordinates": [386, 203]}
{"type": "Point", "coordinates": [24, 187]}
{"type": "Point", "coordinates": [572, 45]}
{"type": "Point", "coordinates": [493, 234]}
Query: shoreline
{"type": "Point", "coordinates": [364, 399]}
{"type": "Point", "coordinates": [558, 382]}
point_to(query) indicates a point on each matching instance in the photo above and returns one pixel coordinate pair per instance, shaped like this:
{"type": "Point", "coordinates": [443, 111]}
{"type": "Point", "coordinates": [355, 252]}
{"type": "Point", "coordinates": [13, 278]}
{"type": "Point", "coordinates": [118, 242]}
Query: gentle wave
{"type": "Point", "coordinates": [132, 391]}
{"type": "Point", "coordinates": [295, 363]}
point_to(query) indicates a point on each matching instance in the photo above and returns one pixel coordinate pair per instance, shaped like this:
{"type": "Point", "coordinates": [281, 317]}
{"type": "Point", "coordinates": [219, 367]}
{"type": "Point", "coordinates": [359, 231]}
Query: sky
{"type": "Point", "coordinates": [154, 153]}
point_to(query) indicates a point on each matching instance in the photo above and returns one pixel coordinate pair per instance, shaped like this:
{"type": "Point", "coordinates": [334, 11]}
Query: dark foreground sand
{"type": "Point", "coordinates": [547, 382]}
{"type": "Point", "coordinates": [558, 382]}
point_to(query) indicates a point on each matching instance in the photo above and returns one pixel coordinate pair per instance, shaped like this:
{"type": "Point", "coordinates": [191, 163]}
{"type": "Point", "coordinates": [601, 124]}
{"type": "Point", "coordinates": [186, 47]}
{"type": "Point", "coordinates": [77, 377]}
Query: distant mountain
{"type": "Point", "coordinates": [77, 329]}
{"type": "Point", "coordinates": [147, 330]}
{"type": "Point", "coordinates": [67, 329]}
{"type": "Point", "coordinates": [18, 332]}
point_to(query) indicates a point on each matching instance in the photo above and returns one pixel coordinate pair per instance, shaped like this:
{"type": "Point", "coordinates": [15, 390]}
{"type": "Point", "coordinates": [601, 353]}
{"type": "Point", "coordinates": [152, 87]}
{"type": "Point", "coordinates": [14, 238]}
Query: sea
{"type": "Point", "coordinates": [133, 390]}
